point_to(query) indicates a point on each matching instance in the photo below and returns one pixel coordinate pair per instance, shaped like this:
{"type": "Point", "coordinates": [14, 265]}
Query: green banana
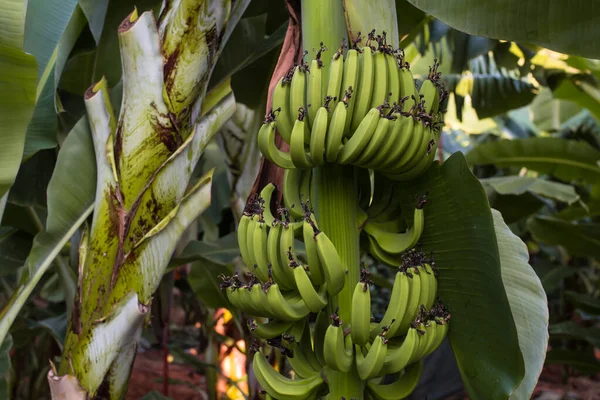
{"type": "Point", "coordinates": [359, 140]}
{"type": "Point", "coordinates": [250, 242]}
{"type": "Point", "coordinates": [393, 79]}
{"type": "Point", "coordinates": [281, 387]}
{"type": "Point", "coordinates": [362, 95]}
{"type": "Point", "coordinates": [283, 309]}
{"type": "Point", "coordinates": [398, 357]}
{"type": "Point", "coordinates": [380, 85]}
{"type": "Point", "coordinates": [360, 316]}
{"type": "Point", "coordinates": [396, 243]}
{"type": "Point", "coordinates": [399, 389]}
{"type": "Point", "coordinates": [335, 273]}
{"type": "Point", "coordinates": [365, 159]}
{"type": "Point", "coordinates": [315, 301]}
{"type": "Point", "coordinates": [281, 101]}
{"type": "Point", "coordinates": [371, 365]}
{"type": "Point", "coordinates": [336, 73]}
{"type": "Point", "coordinates": [401, 132]}
{"type": "Point", "coordinates": [267, 146]}
{"type": "Point", "coordinates": [397, 306]}
{"type": "Point", "coordinates": [414, 300]}
{"type": "Point", "coordinates": [335, 133]}
{"type": "Point", "coordinates": [318, 136]}
{"type": "Point", "coordinates": [293, 194]}
{"type": "Point", "coordinates": [279, 265]}
{"type": "Point", "coordinates": [412, 150]}
{"type": "Point", "coordinates": [287, 251]}
{"type": "Point", "coordinates": [320, 329]}
{"type": "Point", "coordinates": [338, 348]}
{"type": "Point", "coordinates": [261, 255]}
{"type": "Point", "coordinates": [407, 86]}
{"type": "Point", "coordinates": [430, 275]}
{"type": "Point", "coordinates": [266, 194]}
{"type": "Point", "coordinates": [314, 263]}
{"type": "Point", "coordinates": [242, 239]}
{"type": "Point", "coordinates": [314, 98]}
{"type": "Point", "coordinates": [430, 96]}
{"type": "Point", "coordinates": [298, 91]}
{"type": "Point", "coordinates": [304, 362]}
{"type": "Point", "coordinates": [300, 158]}
{"type": "Point", "coordinates": [349, 84]}
{"type": "Point", "coordinates": [268, 330]}
{"type": "Point", "coordinates": [426, 136]}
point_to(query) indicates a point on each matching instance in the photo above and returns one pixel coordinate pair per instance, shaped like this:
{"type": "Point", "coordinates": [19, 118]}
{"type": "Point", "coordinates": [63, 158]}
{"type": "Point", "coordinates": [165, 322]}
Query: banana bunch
{"type": "Point", "coordinates": [367, 112]}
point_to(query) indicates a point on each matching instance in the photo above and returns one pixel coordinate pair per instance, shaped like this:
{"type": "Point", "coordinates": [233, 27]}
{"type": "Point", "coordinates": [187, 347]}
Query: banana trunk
{"type": "Point", "coordinates": [144, 197]}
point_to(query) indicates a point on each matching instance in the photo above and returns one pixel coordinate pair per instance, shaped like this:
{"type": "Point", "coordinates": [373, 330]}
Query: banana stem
{"type": "Point", "coordinates": [334, 194]}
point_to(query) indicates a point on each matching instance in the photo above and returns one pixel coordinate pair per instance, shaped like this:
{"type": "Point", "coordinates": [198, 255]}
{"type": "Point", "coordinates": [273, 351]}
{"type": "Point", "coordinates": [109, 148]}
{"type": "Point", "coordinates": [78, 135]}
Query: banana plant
{"type": "Point", "coordinates": [356, 137]}
{"type": "Point", "coordinates": [145, 197]}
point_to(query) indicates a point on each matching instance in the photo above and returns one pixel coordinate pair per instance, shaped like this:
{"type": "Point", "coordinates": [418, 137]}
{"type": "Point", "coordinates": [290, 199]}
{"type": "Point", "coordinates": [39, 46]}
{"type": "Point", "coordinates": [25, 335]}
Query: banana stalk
{"type": "Point", "coordinates": [144, 200]}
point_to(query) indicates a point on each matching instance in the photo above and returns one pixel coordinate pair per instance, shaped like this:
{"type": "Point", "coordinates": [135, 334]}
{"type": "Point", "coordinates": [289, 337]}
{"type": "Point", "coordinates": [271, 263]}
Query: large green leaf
{"type": "Point", "coordinates": [579, 239]}
{"type": "Point", "coordinates": [528, 304]}
{"type": "Point", "coordinates": [568, 26]}
{"type": "Point", "coordinates": [517, 185]}
{"type": "Point", "coordinates": [70, 201]}
{"type": "Point", "coordinates": [459, 230]}
{"type": "Point", "coordinates": [18, 77]}
{"type": "Point", "coordinates": [564, 159]}
{"type": "Point", "coordinates": [95, 12]}
{"type": "Point", "coordinates": [46, 23]}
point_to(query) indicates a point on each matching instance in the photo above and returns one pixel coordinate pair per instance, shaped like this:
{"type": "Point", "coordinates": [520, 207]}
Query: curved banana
{"type": "Point", "coordinates": [413, 303]}
{"type": "Point", "coordinates": [361, 137]}
{"type": "Point", "coordinates": [426, 288]}
{"type": "Point", "coordinates": [363, 92]}
{"type": "Point", "coordinates": [300, 158]}
{"type": "Point", "coordinates": [338, 349]}
{"type": "Point", "coordinates": [304, 362]}
{"type": "Point", "coordinates": [268, 330]}
{"type": "Point", "coordinates": [375, 144]}
{"type": "Point", "coordinates": [402, 130]}
{"type": "Point", "coordinates": [287, 251]}
{"type": "Point", "coordinates": [399, 389]}
{"type": "Point", "coordinates": [261, 255]}
{"type": "Point", "coordinates": [314, 263]}
{"type": "Point", "coordinates": [314, 98]}
{"type": "Point", "coordinates": [393, 260]}
{"type": "Point", "coordinates": [279, 266]}
{"type": "Point", "coordinates": [336, 74]}
{"type": "Point", "coordinates": [407, 86]}
{"type": "Point", "coordinates": [420, 168]}
{"type": "Point", "coordinates": [349, 84]}
{"type": "Point", "coordinates": [283, 309]}
{"type": "Point", "coordinates": [293, 195]}
{"type": "Point", "coordinates": [298, 91]}
{"type": "Point", "coordinates": [393, 79]}
{"type": "Point", "coordinates": [242, 238]}
{"type": "Point", "coordinates": [250, 242]}
{"type": "Point", "coordinates": [314, 300]}
{"type": "Point", "coordinates": [430, 275]}
{"type": "Point", "coordinates": [399, 357]}
{"type": "Point", "coordinates": [318, 136]}
{"type": "Point", "coordinates": [431, 96]}
{"type": "Point", "coordinates": [335, 273]}
{"type": "Point", "coordinates": [335, 133]}
{"type": "Point", "coordinates": [380, 85]}
{"type": "Point", "coordinates": [360, 317]}
{"type": "Point", "coordinates": [258, 301]}
{"type": "Point", "coordinates": [441, 330]}
{"type": "Point", "coordinates": [414, 147]}
{"type": "Point", "coordinates": [281, 101]}
{"type": "Point", "coordinates": [397, 306]}
{"type": "Point", "coordinates": [383, 195]}
{"type": "Point", "coordinates": [371, 365]}
{"type": "Point", "coordinates": [396, 243]}
{"type": "Point", "coordinates": [266, 194]}
{"type": "Point", "coordinates": [268, 148]}
{"type": "Point", "coordinates": [280, 386]}
{"type": "Point", "coordinates": [426, 137]}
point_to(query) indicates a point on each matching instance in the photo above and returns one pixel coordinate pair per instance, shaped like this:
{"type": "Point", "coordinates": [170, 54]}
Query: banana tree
{"type": "Point", "coordinates": [145, 197]}
{"type": "Point", "coordinates": [356, 137]}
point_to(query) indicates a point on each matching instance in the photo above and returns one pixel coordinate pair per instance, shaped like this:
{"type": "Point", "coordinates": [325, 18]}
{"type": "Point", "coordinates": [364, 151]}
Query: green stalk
{"type": "Point", "coordinates": [334, 195]}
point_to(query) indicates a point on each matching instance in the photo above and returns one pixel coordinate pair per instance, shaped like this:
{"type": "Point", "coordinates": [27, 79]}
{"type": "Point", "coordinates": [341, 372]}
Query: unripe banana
{"type": "Point", "coordinates": [360, 138]}
{"type": "Point", "coordinates": [281, 101]}
{"type": "Point", "coordinates": [360, 317]}
{"type": "Point", "coordinates": [335, 133]}
{"type": "Point", "coordinates": [278, 385]}
{"type": "Point", "coordinates": [268, 330]}
{"type": "Point", "coordinates": [431, 96]}
{"type": "Point", "coordinates": [375, 144]}
{"type": "Point", "coordinates": [287, 251]}
{"type": "Point", "coordinates": [315, 301]}
{"type": "Point", "coordinates": [402, 131]}
{"type": "Point", "coordinates": [314, 98]}
{"type": "Point", "coordinates": [261, 255]}
{"type": "Point", "coordinates": [298, 90]}
{"type": "Point", "coordinates": [370, 366]}
{"type": "Point", "coordinates": [321, 326]}
{"type": "Point", "coordinates": [380, 85]}
{"type": "Point", "coordinates": [304, 362]}
{"type": "Point", "coordinates": [393, 79]}
{"type": "Point", "coordinates": [242, 238]}
{"type": "Point", "coordinates": [402, 387]}
{"type": "Point", "coordinates": [407, 87]}
{"type": "Point", "coordinates": [300, 158]}
{"type": "Point", "coordinates": [335, 273]}
{"type": "Point", "coordinates": [250, 242]}
{"type": "Point", "coordinates": [350, 84]}
{"type": "Point", "coordinates": [399, 357]}
{"type": "Point", "coordinates": [336, 74]}
{"type": "Point", "coordinates": [397, 306]}
{"type": "Point", "coordinates": [413, 301]}
{"type": "Point", "coordinates": [365, 88]}
{"type": "Point", "coordinates": [293, 195]}
{"type": "Point", "coordinates": [337, 348]}
{"type": "Point", "coordinates": [283, 309]}
{"type": "Point", "coordinates": [318, 136]}
{"type": "Point", "coordinates": [416, 142]}
{"type": "Point", "coordinates": [267, 146]}
{"type": "Point", "coordinates": [266, 195]}
{"type": "Point", "coordinates": [314, 263]}
{"type": "Point", "coordinates": [279, 265]}
{"type": "Point", "coordinates": [397, 243]}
